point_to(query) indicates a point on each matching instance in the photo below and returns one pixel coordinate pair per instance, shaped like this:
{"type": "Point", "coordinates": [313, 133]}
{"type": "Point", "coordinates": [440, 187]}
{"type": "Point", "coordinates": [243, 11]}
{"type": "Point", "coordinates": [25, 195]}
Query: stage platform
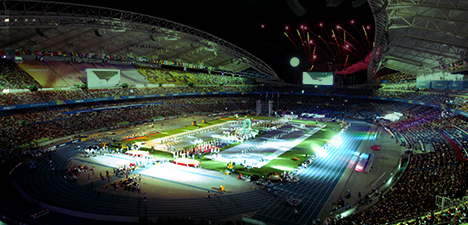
{"type": "Point", "coordinates": [137, 153]}
{"type": "Point", "coordinates": [187, 162]}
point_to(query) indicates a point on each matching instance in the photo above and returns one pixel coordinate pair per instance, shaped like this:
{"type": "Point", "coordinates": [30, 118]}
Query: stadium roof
{"type": "Point", "coordinates": [52, 26]}
{"type": "Point", "coordinates": [419, 35]}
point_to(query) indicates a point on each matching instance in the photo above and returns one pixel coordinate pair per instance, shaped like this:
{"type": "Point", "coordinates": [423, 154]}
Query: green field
{"type": "Point", "coordinates": [189, 128]}
{"type": "Point", "coordinates": [309, 146]}
{"type": "Point", "coordinates": [284, 162]}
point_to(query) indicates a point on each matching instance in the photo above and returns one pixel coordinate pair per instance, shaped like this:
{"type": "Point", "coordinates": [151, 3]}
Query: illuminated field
{"type": "Point", "coordinates": [286, 158]}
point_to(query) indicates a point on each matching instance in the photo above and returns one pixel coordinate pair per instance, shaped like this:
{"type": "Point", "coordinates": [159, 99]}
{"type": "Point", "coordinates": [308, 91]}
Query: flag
{"type": "Point", "coordinates": [25, 52]}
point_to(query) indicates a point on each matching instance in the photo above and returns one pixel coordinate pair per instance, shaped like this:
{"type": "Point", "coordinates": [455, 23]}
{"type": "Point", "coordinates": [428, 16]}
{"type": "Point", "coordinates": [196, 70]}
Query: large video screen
{"type": "Point", "coordinates": [317, 78]}
{"type": "Point", "coordinates": [103, 78]}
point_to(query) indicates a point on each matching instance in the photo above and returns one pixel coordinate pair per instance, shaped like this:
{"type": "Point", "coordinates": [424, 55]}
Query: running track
{"type": "Point", "coordinates": [316, 184]}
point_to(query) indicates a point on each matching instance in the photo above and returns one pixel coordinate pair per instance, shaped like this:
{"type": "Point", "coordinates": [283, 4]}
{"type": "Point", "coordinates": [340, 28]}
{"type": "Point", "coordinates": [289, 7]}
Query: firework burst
{"type": "Point", "coordinates": [317, 46]}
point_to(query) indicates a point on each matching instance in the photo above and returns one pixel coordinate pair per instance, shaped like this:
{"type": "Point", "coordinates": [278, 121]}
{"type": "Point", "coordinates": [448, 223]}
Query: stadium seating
{"type": "Point", "coordinates": [28, 128]}
{"type": "Point", "coordinates": [12, 76]}
{"type": "Point", "coordinates": [437, 172]}
{"type": "Point", "coordinates": [427, 175]}
{"type": "Point", "coordinates": [435, 167]}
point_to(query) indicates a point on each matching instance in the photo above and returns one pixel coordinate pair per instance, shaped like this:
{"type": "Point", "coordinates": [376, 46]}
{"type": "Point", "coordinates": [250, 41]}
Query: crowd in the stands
{"type": "Point", "coordinates": [12, 76]}
{"type": "Point", "coordinates": [29, 126]}
{"type": "Point", "coordinates": [450, 98]}
{"type": "Point", "coordinates": [181, 77]}
{"type": "Point", "coordinates": [428, 175]}
{"type": "Point", "coordinates": [458, 103]}
{"type": "Point", "coordinates": [454, 215]}
{"type": "Point", "coordinates": [76, 94]}
{"type": "Point", "coordinates": [440, 171]}
{"type": "Point", "coordinates": [405, 86]}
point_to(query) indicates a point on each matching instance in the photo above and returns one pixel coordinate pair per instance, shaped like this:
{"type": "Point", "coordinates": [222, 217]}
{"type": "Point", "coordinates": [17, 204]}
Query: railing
{"type": "Point", "coordinates": [380, 181]}
{"type": "Point", "coordinates": [399, 170]}
{"type": "Point", "coordinates": [439, 200]}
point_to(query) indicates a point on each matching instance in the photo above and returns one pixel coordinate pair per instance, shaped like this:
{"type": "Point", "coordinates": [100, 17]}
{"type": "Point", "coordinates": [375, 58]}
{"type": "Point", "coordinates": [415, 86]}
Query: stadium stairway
{"type": "Point", "coordinates": [458, 150]}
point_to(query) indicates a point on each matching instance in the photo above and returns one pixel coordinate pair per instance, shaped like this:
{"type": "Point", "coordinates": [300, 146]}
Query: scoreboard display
{"type": "Point", "coordinates": [317, 78]}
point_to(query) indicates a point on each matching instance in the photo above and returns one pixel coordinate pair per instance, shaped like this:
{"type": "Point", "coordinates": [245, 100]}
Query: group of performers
{"type": "Point", "coordinates": [93, 150]}
{"type": "Point", "coordinates": [171, 143]}
{"type": "Point", "coordinates": [203, 148]}
{"type": "Point", "coordinates": [132, 183]}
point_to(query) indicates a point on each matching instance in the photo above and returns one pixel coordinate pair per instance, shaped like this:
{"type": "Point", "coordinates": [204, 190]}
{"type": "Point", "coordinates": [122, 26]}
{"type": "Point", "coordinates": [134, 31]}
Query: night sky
{"type": "Point", "coordinates": [240, 22]}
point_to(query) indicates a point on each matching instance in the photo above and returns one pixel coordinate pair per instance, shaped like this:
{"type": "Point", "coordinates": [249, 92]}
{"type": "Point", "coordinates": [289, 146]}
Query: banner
{"type": "Point", "coordinates": [455, 85]}
{"type": "Point", "coordinates": [42, 73]}
{"type": "Point", "coordinates": [423, 84]}
{"type": "Point", "coordinates": [66, 72]}
{"type": "Point", "coordinates": [439, 84]}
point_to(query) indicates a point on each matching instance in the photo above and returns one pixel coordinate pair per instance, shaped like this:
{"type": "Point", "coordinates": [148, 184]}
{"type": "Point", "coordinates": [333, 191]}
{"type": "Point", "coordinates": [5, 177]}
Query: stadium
{"type": "Point", "coordinates": [117, 117]}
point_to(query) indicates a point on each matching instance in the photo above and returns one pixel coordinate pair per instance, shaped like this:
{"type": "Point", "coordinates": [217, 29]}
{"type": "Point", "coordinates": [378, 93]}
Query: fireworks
{"type": "Point", "coordinates": [317, 45]}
